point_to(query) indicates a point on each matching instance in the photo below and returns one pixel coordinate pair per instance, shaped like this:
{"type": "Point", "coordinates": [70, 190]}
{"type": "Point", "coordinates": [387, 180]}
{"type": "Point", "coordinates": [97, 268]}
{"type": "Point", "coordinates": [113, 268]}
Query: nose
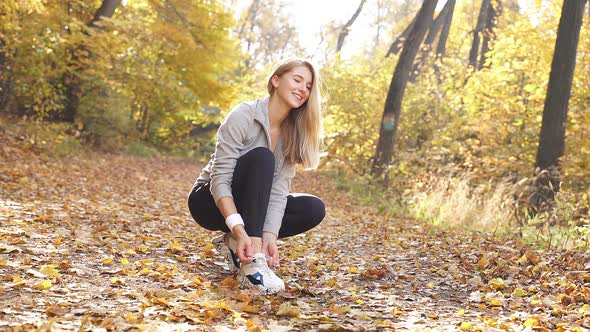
{"type": "Point", "coordinates": [302, 88]}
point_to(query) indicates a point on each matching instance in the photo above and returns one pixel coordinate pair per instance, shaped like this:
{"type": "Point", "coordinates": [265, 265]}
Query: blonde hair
{"type": "Point", "coordinates": [303, 128]}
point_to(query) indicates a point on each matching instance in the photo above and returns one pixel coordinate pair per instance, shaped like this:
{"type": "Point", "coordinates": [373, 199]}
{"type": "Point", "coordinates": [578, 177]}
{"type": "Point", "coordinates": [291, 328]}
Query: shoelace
{"type": "Point", "coordinates": [262, 264]}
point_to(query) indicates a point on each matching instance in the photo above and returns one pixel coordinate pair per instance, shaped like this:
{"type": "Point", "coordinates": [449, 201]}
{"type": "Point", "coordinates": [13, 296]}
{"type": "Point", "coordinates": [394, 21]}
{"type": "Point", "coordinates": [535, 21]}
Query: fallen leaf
{"type": "Point", "coordinates": [287, 309]}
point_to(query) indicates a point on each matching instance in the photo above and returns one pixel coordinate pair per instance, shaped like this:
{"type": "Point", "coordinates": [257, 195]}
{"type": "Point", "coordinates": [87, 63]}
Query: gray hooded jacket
{"type": "Point", "coordinates": [245, 128]}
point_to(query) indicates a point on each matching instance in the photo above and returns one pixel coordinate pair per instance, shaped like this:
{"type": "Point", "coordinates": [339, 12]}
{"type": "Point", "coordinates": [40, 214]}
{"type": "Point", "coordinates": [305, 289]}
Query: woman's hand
{"type": "Point", "coordinates": [270, 249]}
{"type": "Point", "coordinates": [244, 247]}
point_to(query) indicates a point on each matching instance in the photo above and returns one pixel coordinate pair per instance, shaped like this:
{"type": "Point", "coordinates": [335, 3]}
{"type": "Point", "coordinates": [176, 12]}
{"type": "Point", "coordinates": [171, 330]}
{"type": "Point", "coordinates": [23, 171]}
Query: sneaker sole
{"type": "Point", "coordinates": [263, 290]}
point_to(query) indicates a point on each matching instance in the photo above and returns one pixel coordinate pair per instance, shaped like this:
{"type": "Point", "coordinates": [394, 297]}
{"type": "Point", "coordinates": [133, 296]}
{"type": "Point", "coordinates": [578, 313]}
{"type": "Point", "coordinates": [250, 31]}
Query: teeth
{"type": "Point", "coordinates": [298, 96]}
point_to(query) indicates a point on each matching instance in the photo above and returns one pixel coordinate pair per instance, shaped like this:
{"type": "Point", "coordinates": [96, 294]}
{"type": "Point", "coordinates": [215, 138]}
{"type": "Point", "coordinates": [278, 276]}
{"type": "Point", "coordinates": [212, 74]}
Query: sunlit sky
{"type": "Point", "coordinates": [309, 16]}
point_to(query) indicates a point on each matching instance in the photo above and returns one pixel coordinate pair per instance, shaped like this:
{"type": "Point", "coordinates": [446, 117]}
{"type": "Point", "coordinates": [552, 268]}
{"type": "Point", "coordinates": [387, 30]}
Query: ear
{"type": "Point", "coordinates": [275, 81]}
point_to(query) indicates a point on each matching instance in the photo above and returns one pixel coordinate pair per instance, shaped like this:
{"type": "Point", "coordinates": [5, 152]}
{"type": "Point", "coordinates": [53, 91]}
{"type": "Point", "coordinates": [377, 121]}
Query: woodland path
{"type": "Point", "coordinates": [105, 242]}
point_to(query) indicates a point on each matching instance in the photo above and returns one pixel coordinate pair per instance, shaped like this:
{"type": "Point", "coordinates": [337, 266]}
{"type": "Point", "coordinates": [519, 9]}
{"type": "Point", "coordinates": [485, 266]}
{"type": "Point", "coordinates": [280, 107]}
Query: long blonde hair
{"type": "Point", "coordinates": [303, 127]}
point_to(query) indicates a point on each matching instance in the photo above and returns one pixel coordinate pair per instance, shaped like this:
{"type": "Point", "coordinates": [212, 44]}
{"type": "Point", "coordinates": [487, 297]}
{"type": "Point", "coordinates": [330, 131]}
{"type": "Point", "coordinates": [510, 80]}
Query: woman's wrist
{"type": "Point", "coordinates": [239, 231]}
{"type": "Point", "coordinates": [269, 237]}
{"type": "Point", "coordinates": [234, 220]}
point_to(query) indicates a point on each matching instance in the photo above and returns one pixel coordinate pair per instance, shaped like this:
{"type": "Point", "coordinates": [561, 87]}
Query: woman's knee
{"type": "Point", "coordinates": [203, 211]}
{"type": "Point", "coordinates": [317, 208]}
{"type": "Point", "coordinates": [261, 156]}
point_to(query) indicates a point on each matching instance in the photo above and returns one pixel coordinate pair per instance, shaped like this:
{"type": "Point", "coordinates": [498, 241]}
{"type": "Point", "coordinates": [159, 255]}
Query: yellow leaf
{"type": "Point", "coordinates": [208, 250]}
{"type": "Point", "coordinates": [117, 281]}
{"type": "Point", "coordinates": [251, 309]}
{"type": "Point", "coordinates": [143, 249]}
{"type": "Point", "coordinates": [124, 261]}
{"type": "Point", "coordinates": [49, 270]}
{"type": "Point", "coordinates": [519, 292]}
{"type": "Point", "coordinates": [289, 310]}
{"type": "Point", "coordinates": [107, 261]}
{"type": "Point", "coordinates": [533, 321]}
{"type": "Point", "coordinates": [584, 310]}
{"type": "Point", "coordinates": [432, 316]}
{"type": "Point", "coordinates": [465, 326]}
{"type": "Point", "coordinates": [497, 283]}
{"type": "Point", "coordinates": [431, 284]}
{"type": "Point", "coordinates": [45, 284]}
{"type": "Point", "coordinates": [130, 318]}
{"type": "Point", "coordinates": [336, 309]}
{"type": "Point", "coordinates": [396, 311]}
{"type": "Point", "coordinates": [491, 322]}
{"type": "Point", "coordinates": [353, 269]}
{"type": "Point", "coordinates": [16, 280]}
{"type": "Point", "coordinates": [331, 282]}
{"type": "Point", "coordinates": [461, 312]}
{"type": "Point", "coordinates": [495, 302]}
{"type": "Point", "coordinates": [145, 271]}
{"type": "Point", "coordinates": [363, 316]}
{"type": "Point", "coordinates": [3, 263]}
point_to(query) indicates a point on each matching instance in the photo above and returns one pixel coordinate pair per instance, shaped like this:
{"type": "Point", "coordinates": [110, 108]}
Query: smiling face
{"type": "Point", "coordinates": [294, 86]}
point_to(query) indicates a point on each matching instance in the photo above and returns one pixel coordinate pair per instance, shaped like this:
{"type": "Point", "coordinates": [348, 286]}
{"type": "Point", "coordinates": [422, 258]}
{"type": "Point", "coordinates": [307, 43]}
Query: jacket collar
{"type": "Point", "coordinates": [261, 113]}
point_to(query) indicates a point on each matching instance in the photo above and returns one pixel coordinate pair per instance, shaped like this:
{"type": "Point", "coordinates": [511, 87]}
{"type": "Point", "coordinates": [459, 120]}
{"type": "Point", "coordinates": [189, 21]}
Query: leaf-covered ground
{"type": "Point", "coordinates": [105, 242]}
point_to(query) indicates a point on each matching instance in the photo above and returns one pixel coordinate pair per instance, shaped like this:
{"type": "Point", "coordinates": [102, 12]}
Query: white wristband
{"type": "Point", "coordinates": [233, 220]}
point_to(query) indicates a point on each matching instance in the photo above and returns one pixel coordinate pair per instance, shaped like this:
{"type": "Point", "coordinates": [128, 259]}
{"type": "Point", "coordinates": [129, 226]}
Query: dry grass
{"type": "Point", "coordinates": [455, 202]}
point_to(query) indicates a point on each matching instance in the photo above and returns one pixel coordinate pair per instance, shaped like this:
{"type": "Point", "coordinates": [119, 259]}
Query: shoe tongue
{"type": "Point", "coordinates": [259, 259]}
{"type": "Point", "coordinates": [259, 256]}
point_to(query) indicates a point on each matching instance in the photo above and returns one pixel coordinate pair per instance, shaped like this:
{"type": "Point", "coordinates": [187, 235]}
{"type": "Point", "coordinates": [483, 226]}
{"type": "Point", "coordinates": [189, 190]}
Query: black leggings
{"type": "Point", "coordinates": [251, 185]}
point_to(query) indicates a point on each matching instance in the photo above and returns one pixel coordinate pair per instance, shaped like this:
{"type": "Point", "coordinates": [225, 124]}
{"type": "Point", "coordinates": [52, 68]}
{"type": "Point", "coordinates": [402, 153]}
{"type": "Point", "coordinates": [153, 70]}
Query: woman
{"type": "Point", "coordinates": [244, 189]}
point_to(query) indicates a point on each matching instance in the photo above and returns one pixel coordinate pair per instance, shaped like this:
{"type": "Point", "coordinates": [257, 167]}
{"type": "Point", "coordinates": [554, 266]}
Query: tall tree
{"type": "Point", "coordinates": [266, 34]}
{"type": "Point", "coordinates": [399, 41]}
{"type": "Point", "coordinates": [72, 81]}
{"type": "Point", "coordinates": [479, 28]}
{"type": "Point", "coordinates": [8, 11]}
{"type": "Point", "coordinates": [346, 27]}
{"type": "Point", "coordinates": [433, 31]}
{"type": "Point", "coordinates": [552, 136]}
{"type": "Point", "coordinates": [5, 80]}
{"type": "Point", "coordinates": [393, 102]}
{"type": "Point", "coordinates": [494, 10]}
{"type": "Point", "coordinates": [444, 34]}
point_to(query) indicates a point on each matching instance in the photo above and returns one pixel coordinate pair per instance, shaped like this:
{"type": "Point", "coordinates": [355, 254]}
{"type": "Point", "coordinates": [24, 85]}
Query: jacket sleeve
{"type": "Point", "coordinates": [230, 141]}
{"type": "Point", "coordinates": [278, 198]}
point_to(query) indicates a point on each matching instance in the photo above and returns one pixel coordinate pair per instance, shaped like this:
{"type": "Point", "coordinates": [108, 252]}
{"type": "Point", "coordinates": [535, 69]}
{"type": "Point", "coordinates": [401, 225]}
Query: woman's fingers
{"type": "Point", "coordinates": [273, 253]}
{"type": "Point", "coordinates": [245, 251]}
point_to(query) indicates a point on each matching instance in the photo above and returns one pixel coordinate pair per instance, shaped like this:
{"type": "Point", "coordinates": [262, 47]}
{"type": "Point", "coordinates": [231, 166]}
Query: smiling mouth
{"type": "Point", "coordinates": [298, 96]}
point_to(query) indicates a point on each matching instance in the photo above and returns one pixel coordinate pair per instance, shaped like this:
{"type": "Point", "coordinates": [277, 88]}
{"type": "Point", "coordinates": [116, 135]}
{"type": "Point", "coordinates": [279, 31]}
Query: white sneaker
{"type": "Point", "coordinates": [228, 249]}
{"type": "Point", "coordinates": [259, 275]}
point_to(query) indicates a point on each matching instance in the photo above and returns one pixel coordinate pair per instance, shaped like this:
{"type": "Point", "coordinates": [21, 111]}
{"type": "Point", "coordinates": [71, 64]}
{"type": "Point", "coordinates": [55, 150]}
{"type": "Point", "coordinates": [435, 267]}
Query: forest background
{"type": "Point", "coordinates": [153, 77]}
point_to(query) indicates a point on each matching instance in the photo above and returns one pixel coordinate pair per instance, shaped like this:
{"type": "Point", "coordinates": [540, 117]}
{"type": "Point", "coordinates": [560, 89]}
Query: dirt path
{"type": "Point", "coordinates": [101, 243]}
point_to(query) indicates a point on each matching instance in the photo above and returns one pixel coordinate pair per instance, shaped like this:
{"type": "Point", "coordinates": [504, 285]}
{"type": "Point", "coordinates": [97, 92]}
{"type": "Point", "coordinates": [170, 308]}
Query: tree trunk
{"type": "Point", "coordinates": [5, 77]}
{"type": "Point", "coordinates": [481, 22]}
{"type": "Point", "coordinates": [552, 137]}
{"type": "Point", "coordinates": [494, 10]}
{"type": "Point", "coordinates": [430, 37]}
{"type": "Point", "coordinates": [72, 81]}
{"type": "Point", "coordinates": [393, 103]}
{"type": "Point", "coordinates": [346, 28]}
{"type": "Point", "coordinates": [444, 34]}
{"type": "Point", "coordinates": [107, 9]}
{"type": "Point", "coordinates": [399, 41]}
